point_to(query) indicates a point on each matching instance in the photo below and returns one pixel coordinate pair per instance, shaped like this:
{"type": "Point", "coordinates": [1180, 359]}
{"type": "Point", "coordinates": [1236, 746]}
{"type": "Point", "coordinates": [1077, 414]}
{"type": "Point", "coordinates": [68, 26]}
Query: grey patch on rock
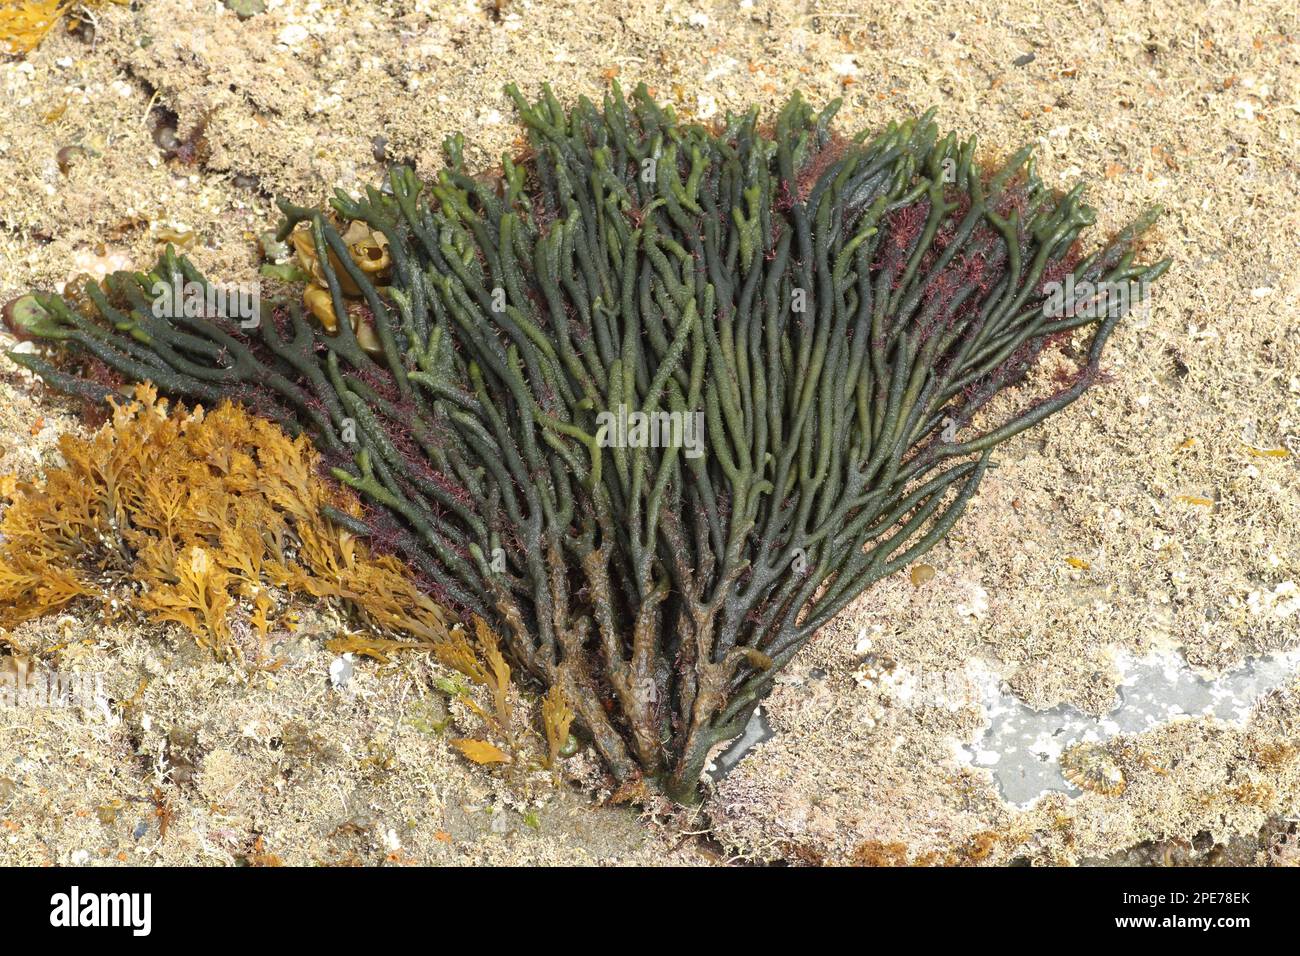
{"type": "Point", "coordinates": [756, 731]}
{"type": "Point", "coordinates": [1022, 746]}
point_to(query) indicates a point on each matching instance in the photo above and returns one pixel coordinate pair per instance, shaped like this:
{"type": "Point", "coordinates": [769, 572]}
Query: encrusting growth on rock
{"type": "Point", "coordinates": [658, 400]}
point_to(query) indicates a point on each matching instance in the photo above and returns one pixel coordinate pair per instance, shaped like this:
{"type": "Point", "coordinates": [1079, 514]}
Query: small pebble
{"type": "Point", "coordinates": [69, 156]}
{"type": "Point", "coordinates": [164, 136]}
{"type": "Point", "coordinates": [245, 8]}
{"type": "Point", "coordinates": [293, 34]}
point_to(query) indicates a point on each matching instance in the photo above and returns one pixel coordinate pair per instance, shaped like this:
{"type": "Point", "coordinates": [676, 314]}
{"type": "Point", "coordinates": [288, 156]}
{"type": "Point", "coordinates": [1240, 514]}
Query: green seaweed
{"type": "Point", "coordinates": [839, 312]}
